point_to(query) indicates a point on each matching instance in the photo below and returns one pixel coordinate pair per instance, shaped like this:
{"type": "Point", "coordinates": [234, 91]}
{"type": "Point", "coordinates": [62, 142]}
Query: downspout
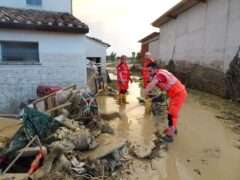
{"type": "Point", "coordinates": [71, 7]}
{"type": "Point", "coordinates": [226, 38]}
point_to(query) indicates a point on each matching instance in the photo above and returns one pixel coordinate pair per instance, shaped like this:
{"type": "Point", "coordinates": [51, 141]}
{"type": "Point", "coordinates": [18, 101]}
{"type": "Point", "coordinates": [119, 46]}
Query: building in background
{"type": "Point", "coordinates": [97, 52]}
{"type": "Point", "coordinates": [41, 42]}
{"type": "Point", "coordinates": [202, 38]}
{"type": "Point", "coordinates": [150, 43]}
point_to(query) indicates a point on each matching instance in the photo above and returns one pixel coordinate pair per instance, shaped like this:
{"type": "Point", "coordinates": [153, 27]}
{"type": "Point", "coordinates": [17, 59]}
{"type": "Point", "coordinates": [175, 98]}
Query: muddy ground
{"type": "Point", "coordinates": [207, 145]}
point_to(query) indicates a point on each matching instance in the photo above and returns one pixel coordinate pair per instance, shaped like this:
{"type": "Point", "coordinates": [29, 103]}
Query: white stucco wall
{"type": "Point", "coordinates": [153, 48]}
{"type": "Point", "coordinates": [233, 33]}
{"type": "Point", "coordinates": [96, 49]}
{"type": "Point", "coordinates": [167, 41]}
{"type": "Point", "coordinates": [62, 63]}
{"type": "Point", "coordinates": [206, 34]}
{"type": "Point", "coordinates": [48, 5]}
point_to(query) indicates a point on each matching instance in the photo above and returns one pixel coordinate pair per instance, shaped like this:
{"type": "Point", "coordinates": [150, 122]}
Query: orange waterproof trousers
{"type": "Point", "coordinates": [175, 104]}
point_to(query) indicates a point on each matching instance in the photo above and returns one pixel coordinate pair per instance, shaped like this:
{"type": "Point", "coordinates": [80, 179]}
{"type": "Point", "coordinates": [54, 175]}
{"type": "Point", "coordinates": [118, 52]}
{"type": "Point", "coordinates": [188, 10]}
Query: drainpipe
{"type": "Point", "coordinates": [71, 7]}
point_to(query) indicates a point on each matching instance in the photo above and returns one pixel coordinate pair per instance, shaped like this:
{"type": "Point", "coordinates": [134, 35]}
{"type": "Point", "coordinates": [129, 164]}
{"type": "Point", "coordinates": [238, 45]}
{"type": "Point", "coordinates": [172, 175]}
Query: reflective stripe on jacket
{"type": "Point", "coordinates": [172, 85]}
{"type": "Point", "coordinates": [123, 69]}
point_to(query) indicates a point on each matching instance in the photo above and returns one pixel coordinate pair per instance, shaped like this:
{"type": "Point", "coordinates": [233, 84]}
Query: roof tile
{"type": "Point", "coordinates": [40, 20]}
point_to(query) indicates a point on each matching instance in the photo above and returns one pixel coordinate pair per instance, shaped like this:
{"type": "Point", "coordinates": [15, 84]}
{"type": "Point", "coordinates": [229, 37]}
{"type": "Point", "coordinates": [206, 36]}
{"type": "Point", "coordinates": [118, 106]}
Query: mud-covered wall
{"type": "Point", "coordinates": [207, 34]}
{"type": "Point", "coordinates": [202, 42]}
{"type": "Point", "coordinates": [199, 77]}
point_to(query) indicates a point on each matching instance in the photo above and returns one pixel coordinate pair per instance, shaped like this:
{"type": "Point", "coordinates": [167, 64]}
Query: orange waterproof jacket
{"type": "Point", "coordinates": [172, 85]}
{"type": "Point", "coordinates": [122, 68]}
{"type": "Point", "coordinates": [145, 72]}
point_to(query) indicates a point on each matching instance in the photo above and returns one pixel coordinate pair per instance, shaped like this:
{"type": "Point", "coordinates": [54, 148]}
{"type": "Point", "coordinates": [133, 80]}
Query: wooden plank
{"type": "Point", "coordinates": [107, 144]}
{"type": "Point", "coordinates": [49, 105]}
{"type": "Point", "coordinates": [58, 107]}
{"type": "Point", "coordinates": [31, 151]}
{"type": "Point", "coordinates": [19, 176]}
{"type": "Point", "coordinates": [8, 115]}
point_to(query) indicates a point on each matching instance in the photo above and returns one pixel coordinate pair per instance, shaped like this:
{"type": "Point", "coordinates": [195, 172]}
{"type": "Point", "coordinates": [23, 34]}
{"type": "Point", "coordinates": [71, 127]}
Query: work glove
{"type": "Point", "coordinates": [159, 98]}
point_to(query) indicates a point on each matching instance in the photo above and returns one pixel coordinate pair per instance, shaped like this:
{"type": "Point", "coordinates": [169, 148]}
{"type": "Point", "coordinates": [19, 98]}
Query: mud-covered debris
{"type": "Point", "coordinates": [98, 127]}
{"type": "Point", "coordinates": [107, 164]}
{"type": "Point", "coordinates": [237, 146]}
{"type": "Point", "coordinates": [154, 151]}
{"type": "Point", "coordinates": [80, 140]}
{"type": "Point", "coordinates": [57, 176]}
{"type": "Point", "coordinates": [197, 171]}
{"type": "Point", "coordinates": [111, 115]}
{"type": "Point", "coordinates": [107, 145]}
{"type": "Point", "coordinates": [62, 164]}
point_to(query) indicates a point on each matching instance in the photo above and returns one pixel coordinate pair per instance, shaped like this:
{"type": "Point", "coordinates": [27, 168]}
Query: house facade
{"type": "Point", "coordinates": [46, 5]}
{"type": "Point", "coordinates": [40, 43]}
{"type": "Point", "coordinates": [150, 43]}
{"type": "Point", "coordinates": [202, 38]}
{"type": "Point", "coordinates": [96, 52]}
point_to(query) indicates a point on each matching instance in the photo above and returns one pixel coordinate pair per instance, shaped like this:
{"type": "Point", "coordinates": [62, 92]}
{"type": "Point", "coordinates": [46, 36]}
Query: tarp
{"type": "Point", "coordinates": [34, 123]}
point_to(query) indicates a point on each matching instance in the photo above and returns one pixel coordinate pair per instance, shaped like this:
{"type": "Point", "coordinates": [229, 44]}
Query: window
{"type": "Point", "coordinates": [34, 2]}
{"type": "Point", "coordinates": [19, 51]}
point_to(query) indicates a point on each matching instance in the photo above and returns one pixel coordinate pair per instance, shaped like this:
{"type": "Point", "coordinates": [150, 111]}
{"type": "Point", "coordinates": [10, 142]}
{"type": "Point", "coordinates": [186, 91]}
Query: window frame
{"type": "Point", "coordinates": [25, 60]}
{"type": "Point", "coordinates": [28, 3]}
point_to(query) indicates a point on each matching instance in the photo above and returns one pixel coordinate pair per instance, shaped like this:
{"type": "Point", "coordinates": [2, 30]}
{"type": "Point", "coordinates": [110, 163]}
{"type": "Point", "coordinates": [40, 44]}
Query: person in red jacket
{"type": "Point", "coordinates": [146, 78]}
{"type": "Point", "coordinates": [176, 91]}
{"type": "Point", "coordinates": [123, 78]}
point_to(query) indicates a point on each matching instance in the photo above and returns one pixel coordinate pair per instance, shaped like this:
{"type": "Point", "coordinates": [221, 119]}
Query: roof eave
{"type": "Point", "coordinates": [100, 42]}
{"type": "Point", "coordinates": [179, 8]}
{"type": "Point", "coordinates": [54, 28]}
{"type": "Point", "coordinates": [150, 36]}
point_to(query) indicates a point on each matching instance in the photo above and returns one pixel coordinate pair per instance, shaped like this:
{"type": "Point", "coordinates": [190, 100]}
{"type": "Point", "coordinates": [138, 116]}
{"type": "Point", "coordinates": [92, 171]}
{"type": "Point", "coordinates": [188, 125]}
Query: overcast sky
{"type": "Point", "coordinates": [121, 23]}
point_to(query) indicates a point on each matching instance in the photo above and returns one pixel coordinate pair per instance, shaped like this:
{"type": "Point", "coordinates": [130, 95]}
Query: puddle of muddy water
{"type": "Point", "coordinates": [137, 127]}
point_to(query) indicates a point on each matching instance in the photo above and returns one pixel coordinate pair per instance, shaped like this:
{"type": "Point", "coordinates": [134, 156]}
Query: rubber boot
{"type": "Point", "coordinates": [165, 131]}
{"type": "Point", "coordinates": [125, 99]}
{"type": "Point", "coordinates": [168, 138]}
{"type": "Point", "coordinates": [148, 105]}
{"type": "Point", "coordinates": [120, 99]}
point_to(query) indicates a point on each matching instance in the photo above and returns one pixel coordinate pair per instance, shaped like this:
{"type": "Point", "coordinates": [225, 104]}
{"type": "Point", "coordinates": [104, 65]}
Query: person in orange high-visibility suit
{"type": "Point", "coordinates": [123, 78]}
{"type": "Point", "coordinates": [146, 78]}
{"type": "Point", "coordinates": [176, 91]}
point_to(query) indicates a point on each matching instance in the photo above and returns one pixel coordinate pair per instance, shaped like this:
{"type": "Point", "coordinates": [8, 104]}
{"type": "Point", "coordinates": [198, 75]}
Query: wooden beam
{"type": "Point", "coordinates": [58, 107]}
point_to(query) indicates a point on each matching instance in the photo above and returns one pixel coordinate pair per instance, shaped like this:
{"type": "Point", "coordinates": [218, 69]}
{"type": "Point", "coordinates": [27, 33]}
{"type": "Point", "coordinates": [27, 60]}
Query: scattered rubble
{"type": "Point", "coordinates": [154, 153]}
{"type": "Point", "coordinates": [68, 131]}
{"type": "Point", "coordinates": [64, 135]}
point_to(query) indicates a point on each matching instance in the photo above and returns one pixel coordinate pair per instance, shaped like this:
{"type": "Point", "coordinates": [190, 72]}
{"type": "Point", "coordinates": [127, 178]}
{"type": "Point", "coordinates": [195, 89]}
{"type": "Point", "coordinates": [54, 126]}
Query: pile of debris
{"type": "Point", "coordinates": [64, 134]}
